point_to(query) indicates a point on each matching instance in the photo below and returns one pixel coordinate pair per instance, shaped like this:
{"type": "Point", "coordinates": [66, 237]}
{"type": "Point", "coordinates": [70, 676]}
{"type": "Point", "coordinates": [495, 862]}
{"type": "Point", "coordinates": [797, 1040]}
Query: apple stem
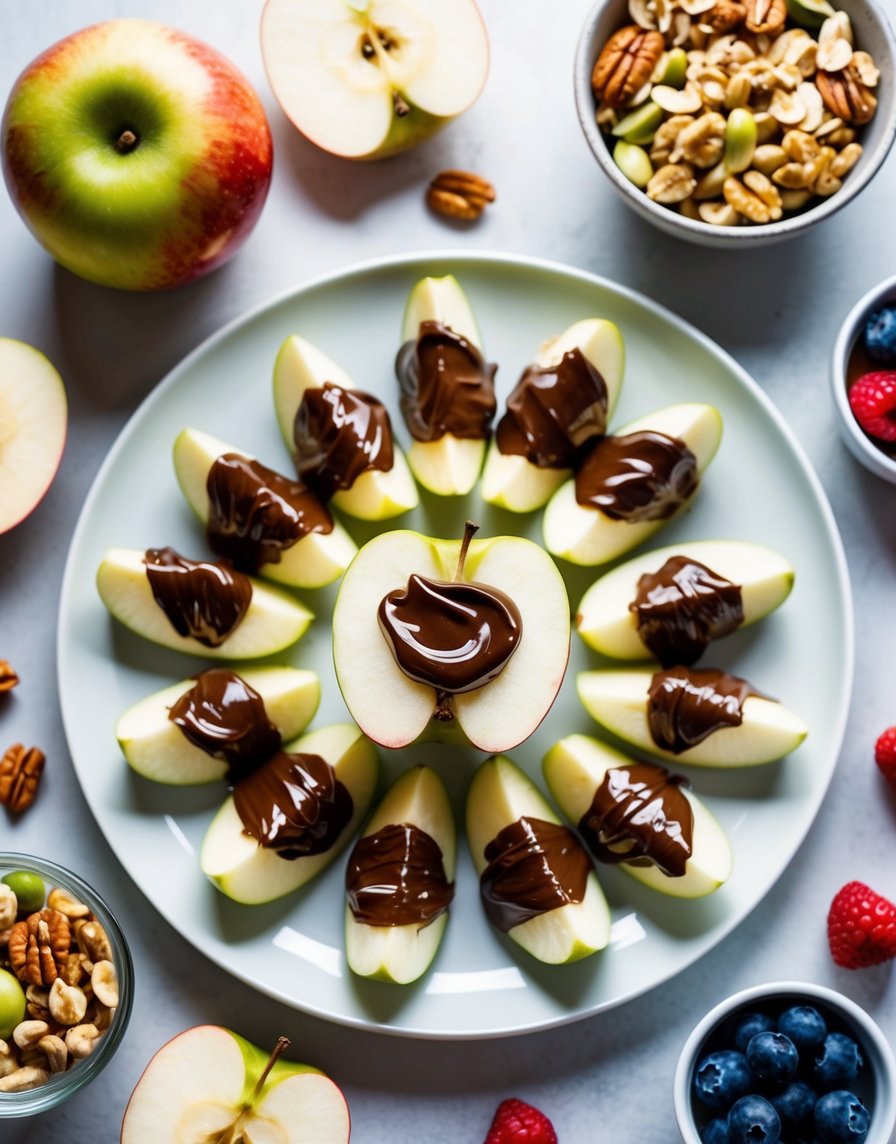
{"type": "Point", "coordinates": [470, 530]}
{"type": "Point", "coordinates": [278, 1050]}
{"type": "Point", "coordinates": [400, 105]}
{"type": "Point", "coordinates": [126, 141]}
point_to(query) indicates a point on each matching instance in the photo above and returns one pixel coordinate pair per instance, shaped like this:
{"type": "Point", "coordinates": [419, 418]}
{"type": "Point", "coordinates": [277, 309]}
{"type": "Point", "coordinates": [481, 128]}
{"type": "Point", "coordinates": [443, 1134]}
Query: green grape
{"type": "Point", "coordinates": [28, 888]}
{"type": "Point", "coordinates": [12, 1003]}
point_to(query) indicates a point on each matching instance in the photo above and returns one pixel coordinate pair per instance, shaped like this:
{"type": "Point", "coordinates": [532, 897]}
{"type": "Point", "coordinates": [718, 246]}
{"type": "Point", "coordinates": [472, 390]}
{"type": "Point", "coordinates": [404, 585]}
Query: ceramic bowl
{"type": "Point", "coordinates": [872, 33]}
{"type": "Point", "coordinates": [61, 1085]}
{"type": "Point", "coordinates": [848, 363]}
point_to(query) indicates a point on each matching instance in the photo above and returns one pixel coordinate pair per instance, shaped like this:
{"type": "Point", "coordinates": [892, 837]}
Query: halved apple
{"type": "Point", "coordinates": [565, 915]}
{"type": "Point", "coordinates": [412, 832]}
{"type": "Point", "coordinates": [575, 769]}
{"type": "Point", "coordinates": [583, 534]}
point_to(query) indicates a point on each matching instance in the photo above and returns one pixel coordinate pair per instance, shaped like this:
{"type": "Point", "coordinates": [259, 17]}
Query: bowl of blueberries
{"type": "Point", "coordinates": [786, 1063]}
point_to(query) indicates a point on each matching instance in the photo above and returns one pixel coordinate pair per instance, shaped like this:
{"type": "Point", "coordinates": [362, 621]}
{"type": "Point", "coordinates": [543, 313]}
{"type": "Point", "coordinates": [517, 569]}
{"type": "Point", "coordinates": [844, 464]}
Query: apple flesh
{"type": "Point", "coordinates": [500, 793]}
{"type": "Point", "coordinates": [513, 482]}
{"type": "Point", "coordinates": [208, 1083]}
{"type": "Point", "coordinates": [137, 155]}
{"type": "Point", "coordinates": [585, 535]}
{"type": "Point", "coordinates": [574, 769]}
{"type": "Point", "coordinates": [402, 953]}
{"type": "Point", "coordinates": [33, 427]}
{"type": "Point", "coordinates": [370, 78]}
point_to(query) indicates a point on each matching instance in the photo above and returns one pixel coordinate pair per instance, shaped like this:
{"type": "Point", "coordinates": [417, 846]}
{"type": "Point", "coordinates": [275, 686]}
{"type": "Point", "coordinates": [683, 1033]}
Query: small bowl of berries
{"type": "Point", "coordinates": [786, 1063]}
{"type": "Point", "coordinates": [863, 377]}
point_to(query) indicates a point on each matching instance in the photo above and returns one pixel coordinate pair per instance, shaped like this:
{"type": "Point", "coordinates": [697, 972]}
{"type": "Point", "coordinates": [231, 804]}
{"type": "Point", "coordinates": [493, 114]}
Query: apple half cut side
{"type": "Point", "coordinates": [33, 428]}
{"type": "Point", "coordinates": [368, 80]}
{"type": "Point", "coordinates": [402, 953]}
{"type": "Point", "coordinates": [585, 535]}
{"type": "Point", "coordinates": [500, 794]}
{"type": "Point", "coordinates": [156, 748]}
{"type": "Point", "coordinates": [318, 558]}
{"type": "Point", "coordinates": [273, 621]}
{"type": "Point", "coordinates": [208, 1083]}
{"type": "Point", "coordinates": [374, 495]}
{"type": "Point", "coordinates": [617, 700]}
{"type": "Point", "coordinates": [395, 710]}
{"type": "Point", "coordinates": [574, 769]}
{"type": "Point", "coordinates": [511, 481]}
{"type": "Point", "coordinates": [607, 623]}
{"type": "Point", "coordinates": [254, 874]}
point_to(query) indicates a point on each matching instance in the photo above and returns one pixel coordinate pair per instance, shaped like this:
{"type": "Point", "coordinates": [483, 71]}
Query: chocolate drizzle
{"type": "Point", "coordinates": [203, 600]}
{"type": "Point", "coordinates": [396, 877]}
{"type": "Point", "coordinates": [685, 706]}
{"type": "Point", "coordinates": [637, 476]}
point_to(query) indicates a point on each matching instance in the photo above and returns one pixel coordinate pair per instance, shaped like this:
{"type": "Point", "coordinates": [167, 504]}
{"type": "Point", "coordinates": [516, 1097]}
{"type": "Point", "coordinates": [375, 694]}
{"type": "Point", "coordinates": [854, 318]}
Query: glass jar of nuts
{"type": "Point", "coordinates": [66, 984]}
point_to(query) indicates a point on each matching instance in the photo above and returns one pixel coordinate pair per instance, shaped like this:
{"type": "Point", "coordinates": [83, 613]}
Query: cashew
{"type": "Point", "coordinates": [68, 1003]}
{"type": "Point", "coordinates": [104, 980]}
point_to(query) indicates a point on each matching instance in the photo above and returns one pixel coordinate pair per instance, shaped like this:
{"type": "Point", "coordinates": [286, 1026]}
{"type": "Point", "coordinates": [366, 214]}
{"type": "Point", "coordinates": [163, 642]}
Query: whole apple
{"type": "Point", "coordinates": [139, 156]}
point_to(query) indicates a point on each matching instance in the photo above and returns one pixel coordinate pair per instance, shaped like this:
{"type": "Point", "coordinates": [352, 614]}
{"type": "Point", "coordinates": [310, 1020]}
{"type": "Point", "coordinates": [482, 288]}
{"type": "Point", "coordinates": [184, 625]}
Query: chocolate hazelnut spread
{"type": "Point", "coordinates": [533, 866]}
{"type": "Point", "coordinates": [202, 599]}
{"type": "Point", "coordinates": [293, 804]}
{"type": "Point", "coordinates": [553, 411]}
{"type": "Point", "coordinates": [225, 717]}
{"type": "Point", "coordinates": [446, 387]}
{"type": "Point", "coordinates": [639, 815]}
{"type": "Point", "coordinates": [339, 434]}
{"type": "Point", "coordinates": [637, 476]}
{"type": "Point", "coordinates": [682, 606]}
{"type": "Point", "coordinates": [256, 513]}
{"type": "Point", "coordinates": [396, 877]}
{"type": "Point", "coordinates": [685, 706]}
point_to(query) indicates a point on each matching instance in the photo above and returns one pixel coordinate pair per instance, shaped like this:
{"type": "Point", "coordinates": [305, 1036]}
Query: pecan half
{"type": "Point", "coordinates": [625, 64]}
{"type": "Point", "coordinates": [459, 194]}
{"type": "Point", "coordinates": [39, 946]}
{"type": "Point", "coordinates": [845, 96]}
{"type": "Point", "coordinates": [8, 678]}
{"type": "Point", "coordinates": [765, 16]}
{"type": "Point", "coordinates": [20, 772]}
{"type": "Point", "coordinates": [725, 16]}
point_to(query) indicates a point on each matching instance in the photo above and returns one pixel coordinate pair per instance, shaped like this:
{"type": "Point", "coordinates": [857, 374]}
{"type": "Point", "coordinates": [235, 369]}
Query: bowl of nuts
{"type": "Point", "coordinates": [66, 984]}
{"type": "Point", "coordinates": [736, 123]}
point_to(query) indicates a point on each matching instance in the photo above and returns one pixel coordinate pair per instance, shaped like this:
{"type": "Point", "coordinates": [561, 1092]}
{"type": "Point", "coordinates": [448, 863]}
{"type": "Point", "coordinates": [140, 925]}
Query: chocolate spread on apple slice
{"type": "Point", "coordinates": [446, 386]}
{"type": "Point", "coordinates": [553, 411]}
{"type": "Point", "coordinates": [533, 866]}
{"type": "Point", "coordinates": [685, 706]}
{"type": "Point", "coordinates": [255, 513]}
{"type": "Point", "coordinates": [202, 599]}
{"type": "Point", "coordinates": [396, 877]}
{"type": "Point", "coordinates": [637, 476]}
{"type": "Point", "coordinates": [682, 606]}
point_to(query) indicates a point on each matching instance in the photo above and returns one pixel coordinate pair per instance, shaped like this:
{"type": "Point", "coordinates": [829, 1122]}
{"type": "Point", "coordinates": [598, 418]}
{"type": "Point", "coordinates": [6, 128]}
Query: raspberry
{"type": "Point", "coordinates": [861, 927]}
{"type": "Point", "coordinates": [516, 1122]}
{"type": "Point", "coordinates": [885, 754]}
{"type": "Point", "coordinates": [872, 398]}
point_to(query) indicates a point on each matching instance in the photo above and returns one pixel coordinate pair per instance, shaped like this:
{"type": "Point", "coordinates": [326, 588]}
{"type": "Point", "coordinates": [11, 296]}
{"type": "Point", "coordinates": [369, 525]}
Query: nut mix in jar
{"type": "Point", "coordinates": [732, 111]}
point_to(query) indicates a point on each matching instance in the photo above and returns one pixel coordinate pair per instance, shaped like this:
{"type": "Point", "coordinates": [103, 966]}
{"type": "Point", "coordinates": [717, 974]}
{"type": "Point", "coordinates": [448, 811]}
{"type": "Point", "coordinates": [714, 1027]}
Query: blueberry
{"type": "Point", "coordinates": [748, 1026]}
{"type": "Point", "coordinates": [805, 1026]}
{"type": "Point", "coordinates": [716, 1132]}
{"type": "Point", "coordinates": [841, 1118]}
{"type": "Point", "coordinates": [837, 1063]}
{"type": "Point", "coordinates": [752, 1120]}
{"type": "Point", "coordinates": [880, 336]}
{"type": "Point", "coordinates": [795, 1105]}
{"type": "Point", "coordinates": [772, 1058]}
{"type": "Point", "coordinates": [721, 1078]}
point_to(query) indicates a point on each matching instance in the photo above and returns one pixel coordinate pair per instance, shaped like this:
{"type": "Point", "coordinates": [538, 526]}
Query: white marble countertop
{"type": "Point", "coordinates": [776, 310]}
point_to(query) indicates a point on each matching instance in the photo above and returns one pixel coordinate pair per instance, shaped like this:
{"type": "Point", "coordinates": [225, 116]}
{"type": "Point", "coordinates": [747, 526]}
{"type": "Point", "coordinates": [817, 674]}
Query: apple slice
{"type": "Point", "coordinates": [510, 827]}
{"type": "Point", "coordinates": [272, 621]}
{"type": "Point", "coordinates": [208, 1083]}
{"type": "Point", "coordinates": [252, 873]}
{"type": "Point", "coordinates": [618, 701]}
{"type": "Point", "coordinates": [583, 534]}
{"type": "Point", "coordinates": [33, 427]}
{"type": "Point", "coordinates": [157, 748]}
{"type": "Point", "coordinates": [608, 622]}
{"type": "Point", "coordinates": [511, 480]}
{"type": "Point", "coordinates": [367, 80]}
{"type": "Point", "coordinates": [395, 710]}
{"type": "Point", "coordinates": [401, 874]}
{"type": "Point", "coordinates": [575, 769]}
{"type": "Point", "coordinates": [316, 559]}
{"type": "Point", "coordinates": [374, 495]}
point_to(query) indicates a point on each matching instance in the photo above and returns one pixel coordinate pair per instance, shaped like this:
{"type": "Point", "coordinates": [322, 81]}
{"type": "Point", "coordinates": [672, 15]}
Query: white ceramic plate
{"type": "Point", "coordinates": [760, 487]}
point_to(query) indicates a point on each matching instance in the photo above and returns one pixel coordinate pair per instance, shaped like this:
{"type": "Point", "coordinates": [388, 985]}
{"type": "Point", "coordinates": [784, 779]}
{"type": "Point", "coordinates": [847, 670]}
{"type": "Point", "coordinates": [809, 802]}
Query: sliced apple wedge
{"type": "Point", "coordinates": [400, 879]}
{"type": "Point", "coordinates": [307, 816]}
{"type": "Point", "coordinates": [584, 534]}
{"type": "Point", "coordinates": [702, 712]}
{"type": "Point", "coordinates": [536, 879]}
{"type": "Point", "coordinates": [375, 494]}
{"type": "Point", "coordinates": [575, 770]}
{"type": "Point", "coordinates": [272, 621]}
{"type": "Point", "coordinates": [157, 748]}
{"type": "Point", "coordinates": [684, 604]}
{"type": "Point", "coordinates": [513, 481]}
